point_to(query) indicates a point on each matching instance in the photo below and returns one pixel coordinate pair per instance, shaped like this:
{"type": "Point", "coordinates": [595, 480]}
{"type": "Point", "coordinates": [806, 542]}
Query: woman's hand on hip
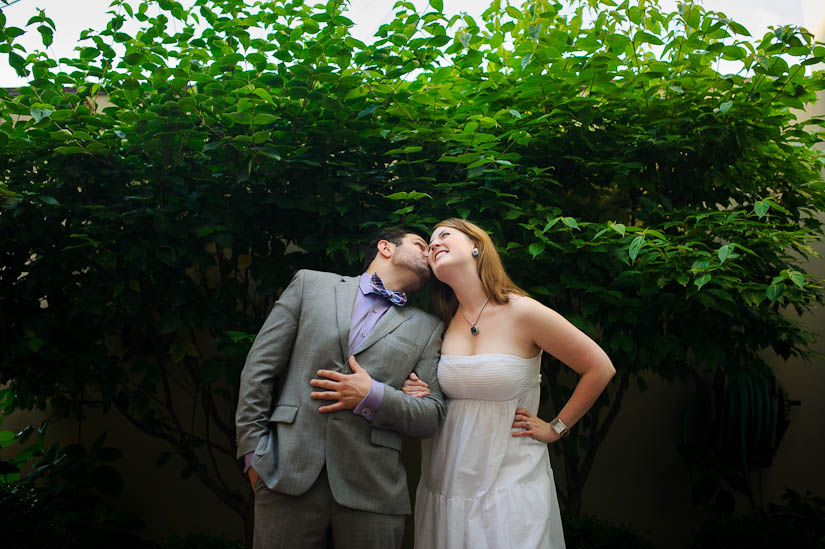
{"type": "Point", "coordinates": [533, 426]}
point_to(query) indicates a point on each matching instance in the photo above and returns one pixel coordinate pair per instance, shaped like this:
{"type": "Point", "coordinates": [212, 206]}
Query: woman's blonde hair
{"type": "Point", "coordinates": [497, 285]}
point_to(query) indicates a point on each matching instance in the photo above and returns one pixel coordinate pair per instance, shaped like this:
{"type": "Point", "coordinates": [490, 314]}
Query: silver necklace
{"type": "Point", "coordinates": [474, 325]}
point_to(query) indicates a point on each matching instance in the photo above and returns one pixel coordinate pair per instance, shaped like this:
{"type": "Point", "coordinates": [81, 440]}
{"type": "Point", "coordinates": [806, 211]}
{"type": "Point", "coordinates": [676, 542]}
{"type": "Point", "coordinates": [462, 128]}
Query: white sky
{"type": "Point", "coordinates": [73, 16]}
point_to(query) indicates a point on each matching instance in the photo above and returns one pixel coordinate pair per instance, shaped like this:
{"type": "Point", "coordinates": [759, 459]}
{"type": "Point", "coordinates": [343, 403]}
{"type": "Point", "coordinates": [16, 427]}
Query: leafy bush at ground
{"type": "Point", "coordinates": [590, 532]}
{"type": "Point", "coordinates": [797, 523]}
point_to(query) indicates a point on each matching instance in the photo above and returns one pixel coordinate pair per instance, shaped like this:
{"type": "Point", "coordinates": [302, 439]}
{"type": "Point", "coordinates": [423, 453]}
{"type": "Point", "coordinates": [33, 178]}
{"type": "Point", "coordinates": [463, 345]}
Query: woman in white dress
{"type": "Point", "coordinates": [486, 480]}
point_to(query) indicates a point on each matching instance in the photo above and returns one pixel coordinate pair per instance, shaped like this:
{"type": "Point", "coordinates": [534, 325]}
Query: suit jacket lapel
{"type": "Point", "coordinates": [344, 300]}
{"type": "Point", "coordinates": [389, 322]}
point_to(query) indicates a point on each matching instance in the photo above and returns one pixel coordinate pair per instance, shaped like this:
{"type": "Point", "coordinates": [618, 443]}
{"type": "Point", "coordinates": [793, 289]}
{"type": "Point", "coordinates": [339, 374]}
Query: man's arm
{"type": "Point", "coordinates": [413, 416]}
{"type": "Point", "coordinates": [418, 417]}
{"type": "Point", "coordinates": [267, 359]}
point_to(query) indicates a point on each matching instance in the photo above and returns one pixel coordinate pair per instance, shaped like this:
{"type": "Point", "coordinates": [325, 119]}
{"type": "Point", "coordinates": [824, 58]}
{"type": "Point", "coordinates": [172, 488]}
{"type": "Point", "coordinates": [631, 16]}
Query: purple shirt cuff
{"type": "Point", "coordinates": [371, 403]}
{"type": "Point", "coordinates": [247, 462]}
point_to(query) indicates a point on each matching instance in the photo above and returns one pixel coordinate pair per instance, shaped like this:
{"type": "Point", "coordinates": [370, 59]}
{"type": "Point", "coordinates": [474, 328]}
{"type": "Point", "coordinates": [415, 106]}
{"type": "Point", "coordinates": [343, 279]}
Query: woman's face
{"type": "Point", "coordinates": [449, 246]}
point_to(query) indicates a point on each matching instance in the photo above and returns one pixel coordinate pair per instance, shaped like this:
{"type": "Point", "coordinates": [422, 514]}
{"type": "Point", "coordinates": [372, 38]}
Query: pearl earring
{"type": "Point", "coordinates": [475, 252]}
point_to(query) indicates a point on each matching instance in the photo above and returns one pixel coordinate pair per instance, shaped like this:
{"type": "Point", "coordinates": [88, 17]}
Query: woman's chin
{"type": "Point", "coordinates": [441, 270]}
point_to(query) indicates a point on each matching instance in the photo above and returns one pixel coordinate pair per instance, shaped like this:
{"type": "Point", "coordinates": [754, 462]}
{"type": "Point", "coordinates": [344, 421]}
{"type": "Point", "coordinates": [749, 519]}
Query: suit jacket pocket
{"type": "Point", "coordinates": [263, 444]}
{"type": "Point", "coordinates": [382, 437]}
{"type": "Point", "coordinates": [284, 414]}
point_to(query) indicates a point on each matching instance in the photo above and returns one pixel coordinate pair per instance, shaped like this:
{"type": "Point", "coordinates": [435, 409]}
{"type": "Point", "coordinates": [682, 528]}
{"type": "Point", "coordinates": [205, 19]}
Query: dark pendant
{"type": "Point", "coordinates": [474, 330]}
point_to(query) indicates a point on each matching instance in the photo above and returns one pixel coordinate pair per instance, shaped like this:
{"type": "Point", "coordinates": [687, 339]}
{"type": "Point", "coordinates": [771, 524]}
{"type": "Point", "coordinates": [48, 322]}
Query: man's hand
{"type": "Point", "coordinates": [347, 389]}
{"type": "Point", "coordinates": [253, 477]}
{"type": "Point", "coordinates": [413, 386]}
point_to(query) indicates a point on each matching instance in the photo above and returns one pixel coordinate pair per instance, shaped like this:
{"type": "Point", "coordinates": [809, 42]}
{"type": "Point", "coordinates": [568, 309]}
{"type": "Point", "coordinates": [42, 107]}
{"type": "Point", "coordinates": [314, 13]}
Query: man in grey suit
{"type": "Point", "coordinates": [349, 343]}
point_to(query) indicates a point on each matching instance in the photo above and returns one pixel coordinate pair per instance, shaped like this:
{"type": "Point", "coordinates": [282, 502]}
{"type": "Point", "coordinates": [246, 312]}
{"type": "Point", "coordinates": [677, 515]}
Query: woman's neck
{"type": "Point", "coordinates": [468, 291]}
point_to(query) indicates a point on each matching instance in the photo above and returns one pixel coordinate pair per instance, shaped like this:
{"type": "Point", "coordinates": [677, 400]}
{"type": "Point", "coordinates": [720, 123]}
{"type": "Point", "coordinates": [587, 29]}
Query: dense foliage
{"type": "Point", "coordinates": [798, 522]}
{"type": "Point", "coordinates": [643, 172]}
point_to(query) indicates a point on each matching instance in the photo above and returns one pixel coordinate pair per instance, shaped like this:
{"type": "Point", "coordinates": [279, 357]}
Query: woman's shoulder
{"type": "Point", "coordinates": [521, 301]}
{"type": "Point", "coordinates": [526, 309]}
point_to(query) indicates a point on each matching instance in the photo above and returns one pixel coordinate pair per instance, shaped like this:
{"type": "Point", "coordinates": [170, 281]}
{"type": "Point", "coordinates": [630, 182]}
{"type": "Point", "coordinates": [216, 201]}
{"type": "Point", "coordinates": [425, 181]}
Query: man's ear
{"type": "Point", "coordinates": [386, 248]}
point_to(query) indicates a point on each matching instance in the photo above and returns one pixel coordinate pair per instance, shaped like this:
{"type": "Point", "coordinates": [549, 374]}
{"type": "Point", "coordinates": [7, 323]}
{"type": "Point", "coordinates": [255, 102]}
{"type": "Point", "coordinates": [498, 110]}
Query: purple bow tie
{"type": "Point", "coordinates": [377, 287]}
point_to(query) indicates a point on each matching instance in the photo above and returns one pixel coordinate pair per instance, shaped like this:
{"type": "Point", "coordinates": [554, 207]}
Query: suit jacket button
{"type": "Point", "coordinates": [366, 412]}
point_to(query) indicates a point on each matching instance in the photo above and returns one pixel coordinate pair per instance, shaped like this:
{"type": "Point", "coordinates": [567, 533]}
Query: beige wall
{"type": "Point", "coordinates": [167, 504]}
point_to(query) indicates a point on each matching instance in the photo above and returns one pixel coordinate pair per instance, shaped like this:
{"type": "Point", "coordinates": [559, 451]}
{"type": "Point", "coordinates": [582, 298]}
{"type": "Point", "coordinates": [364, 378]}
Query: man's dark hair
{"type": "Point", "coordinates": [390, 234]}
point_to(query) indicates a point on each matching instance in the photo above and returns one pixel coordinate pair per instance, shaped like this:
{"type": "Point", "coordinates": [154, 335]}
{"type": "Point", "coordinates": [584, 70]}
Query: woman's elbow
{"type": "Point", "coordinates": [609, 370]}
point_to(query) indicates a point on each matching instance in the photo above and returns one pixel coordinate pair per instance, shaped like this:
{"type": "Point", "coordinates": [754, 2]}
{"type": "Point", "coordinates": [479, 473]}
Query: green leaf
{"type": "Point", "coordinates": [69, 150]}
{"type": "Point", "coordinates": [723, 252]}
{"type": "Point", "coordinates": [438, 5]}
{"type": "Point", "coordinates": [46, 35]}
{"type": "Point", "coordinates": [40, 113]}
{"type": "Point", "coordinates": [701, 281]}
{"type": "Point", "coordinates": [725, 107]}
{"type": "Point", "coordinates": [550, 224]}
{"type": "Point", "coordinates": [263, 94]}
{"type": "Point", "coordinates": [134, 58]}
{"type": "Point", "coordinates": [367, 110]}
{"type": "Point", "coordinates": [797, 278]}
{"type": "Point", "coordinates": [774, 291]}
{"type": "Point", "coordinates": [635, 246]}
{"type": "Point", "coordinates": [618, 227]}
{"type": "Point", "coordinates": [536, 248]}
{"type": "Point", "coordinates": [264, 119]}
{"type": "Point", "coordinates": [761, 208]}
{"type": "Point", "coordinates": [570, 222]}
{"type": "Point", "coordinates": [244, 117]}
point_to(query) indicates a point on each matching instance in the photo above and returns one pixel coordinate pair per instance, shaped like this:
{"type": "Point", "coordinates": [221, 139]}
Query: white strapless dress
{"type": "Point", "coordinates": [480, 487]}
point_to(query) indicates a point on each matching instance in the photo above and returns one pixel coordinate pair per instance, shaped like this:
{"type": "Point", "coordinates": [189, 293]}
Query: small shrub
{"type": "Point", "coordinates": [201, 541]}
{"type": "Point", "coordinates": [799, 523]}
{"type": "Point", "coordinates": [590, 532]}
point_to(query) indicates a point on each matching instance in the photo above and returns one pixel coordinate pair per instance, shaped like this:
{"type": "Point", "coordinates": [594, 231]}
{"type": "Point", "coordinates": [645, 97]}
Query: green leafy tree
{"type": "Point", "coordinates": [160, 187]}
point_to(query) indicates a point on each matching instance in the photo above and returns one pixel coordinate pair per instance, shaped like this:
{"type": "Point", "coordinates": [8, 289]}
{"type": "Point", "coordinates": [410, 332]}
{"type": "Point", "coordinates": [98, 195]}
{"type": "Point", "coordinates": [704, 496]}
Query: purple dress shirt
{"type": "Point", "coordinates": [366, 312]}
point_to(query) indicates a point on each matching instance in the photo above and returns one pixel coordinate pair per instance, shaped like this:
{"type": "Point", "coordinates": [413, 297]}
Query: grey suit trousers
{"type": "Point", "coordinates": [298, 522]}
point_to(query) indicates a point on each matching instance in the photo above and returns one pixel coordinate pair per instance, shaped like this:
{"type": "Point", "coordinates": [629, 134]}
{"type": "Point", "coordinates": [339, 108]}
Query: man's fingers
{"type": "Point", "coordinates": [354, 364]}
{"type": "Point", "coordinates": [325, 395]}
{"type": "Point", "coordinates": [331, 407]}
{"type": "Point", "coordinates": [331, 374]}
{"type": "Point", "coordinates": [523, 434]}
{"type": "Point", "coordinates": [414, 377]}
{"type": "Point", "coordinates": [324, 383]}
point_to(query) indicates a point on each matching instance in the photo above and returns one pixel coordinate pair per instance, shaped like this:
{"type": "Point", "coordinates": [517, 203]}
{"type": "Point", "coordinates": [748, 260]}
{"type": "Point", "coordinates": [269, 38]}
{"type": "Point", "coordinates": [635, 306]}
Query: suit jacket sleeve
{"type": "Point", "coordinates": [267, 359]}
{"type": "Point", "coordinates": [415, 416]}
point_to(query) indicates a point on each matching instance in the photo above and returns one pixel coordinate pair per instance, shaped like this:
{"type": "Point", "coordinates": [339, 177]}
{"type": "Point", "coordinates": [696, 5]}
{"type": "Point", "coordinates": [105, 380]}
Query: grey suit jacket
{"type": "Point", "coordinates": [308, 330]}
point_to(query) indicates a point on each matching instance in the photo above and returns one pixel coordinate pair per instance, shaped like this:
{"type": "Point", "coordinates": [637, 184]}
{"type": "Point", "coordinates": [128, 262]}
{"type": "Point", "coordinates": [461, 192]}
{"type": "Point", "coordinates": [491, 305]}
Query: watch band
{"type": "Point", "coordinates": [559, 427]}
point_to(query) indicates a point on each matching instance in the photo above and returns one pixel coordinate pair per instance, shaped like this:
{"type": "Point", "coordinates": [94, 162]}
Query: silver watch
{"type": "Point", "coordinates": [559, 427]}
